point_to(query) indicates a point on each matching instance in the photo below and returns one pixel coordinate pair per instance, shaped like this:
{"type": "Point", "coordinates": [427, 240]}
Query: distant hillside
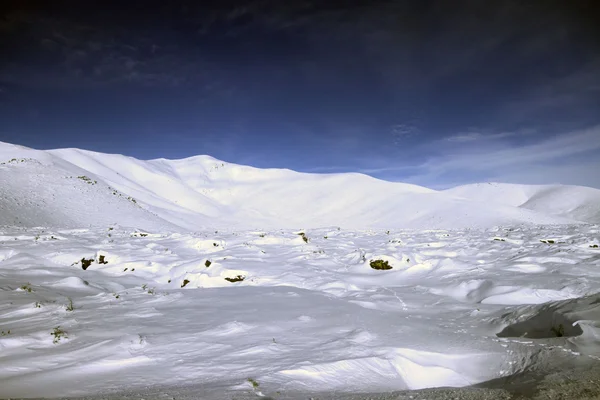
{"type": "Point", "coordinates": [72, 187]}
{"type": "Point", "coordinates": [573, 202]}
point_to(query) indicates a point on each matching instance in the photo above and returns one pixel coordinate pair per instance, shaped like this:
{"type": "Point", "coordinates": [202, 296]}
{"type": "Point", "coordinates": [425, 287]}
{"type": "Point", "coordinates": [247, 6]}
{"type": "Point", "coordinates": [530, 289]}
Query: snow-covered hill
{"type": "Point", "coordinates": [574, 202]}
{"type": "Point", "coordinates": [74, 188]}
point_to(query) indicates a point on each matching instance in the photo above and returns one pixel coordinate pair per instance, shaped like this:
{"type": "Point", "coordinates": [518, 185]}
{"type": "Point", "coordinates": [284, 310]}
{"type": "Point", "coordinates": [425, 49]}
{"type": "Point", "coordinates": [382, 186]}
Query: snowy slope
{"type": "Point", "coordinates": [201, 191]}
{"type": "Point", "coordinates": [39, 189]}
{"type": "Point", "coordinates": [575, 202]}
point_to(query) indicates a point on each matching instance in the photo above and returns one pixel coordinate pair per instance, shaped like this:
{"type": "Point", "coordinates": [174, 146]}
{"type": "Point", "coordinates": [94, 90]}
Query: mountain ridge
{"type": "Point", "coordinates": [200, 192]}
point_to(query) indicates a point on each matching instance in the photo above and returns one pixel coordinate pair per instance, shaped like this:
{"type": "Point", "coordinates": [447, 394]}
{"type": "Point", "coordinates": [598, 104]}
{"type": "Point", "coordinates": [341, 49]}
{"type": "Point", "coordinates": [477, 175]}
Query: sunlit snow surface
{"type": "Point", "coordinates": [306, 316]}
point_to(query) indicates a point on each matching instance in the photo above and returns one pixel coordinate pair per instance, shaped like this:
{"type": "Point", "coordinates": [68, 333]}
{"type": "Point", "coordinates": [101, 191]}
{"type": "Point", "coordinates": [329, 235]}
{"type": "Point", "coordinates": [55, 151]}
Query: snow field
{"type": "Point", "coordinates": [306, 315]}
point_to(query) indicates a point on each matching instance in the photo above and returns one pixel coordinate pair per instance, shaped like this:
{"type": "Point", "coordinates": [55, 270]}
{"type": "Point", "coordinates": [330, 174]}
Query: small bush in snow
{"type": "Point", "coordinates": [3, 333]}
{"type": "Point", "coordinates": [380, 265]}
{"type": "Point", "coordinates": [207, 263]}
{"type": "Point", "coordinates": [86, 263]}
{"type": "Point", "coordinates": [70, 305]}
{"type": "Point", "coordinates": [238, 278]}
{"type": "Point", "coordinates": [254, 383]}
{"type": "Point", "coordinates": [185, 282]}
{"type": "Point", "coordinates": [58, 334]}
{"type": "Point", "coordinates": [304, 237]}
{"type": "Point", "coordinates": [27, 288]}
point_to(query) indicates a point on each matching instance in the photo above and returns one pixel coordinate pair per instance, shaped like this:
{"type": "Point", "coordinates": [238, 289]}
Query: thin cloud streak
{"type": "Point", "coordinates": [504, 162]}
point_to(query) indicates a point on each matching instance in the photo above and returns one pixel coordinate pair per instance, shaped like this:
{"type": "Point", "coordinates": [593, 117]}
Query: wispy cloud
{"type": "Point", "coordinates": [563, 158]}
{"type": "Point", "coordinates": [403, 131]}
{"type": "Point", "coordinates": [478, 136]}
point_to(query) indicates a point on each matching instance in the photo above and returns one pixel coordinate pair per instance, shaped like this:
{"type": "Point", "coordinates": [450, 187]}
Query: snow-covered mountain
{"type": "Point", "coordinates": [75, 188]}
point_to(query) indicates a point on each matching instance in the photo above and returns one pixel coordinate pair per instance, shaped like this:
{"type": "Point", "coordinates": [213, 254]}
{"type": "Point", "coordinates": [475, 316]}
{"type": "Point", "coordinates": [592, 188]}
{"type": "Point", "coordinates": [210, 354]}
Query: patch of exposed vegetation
{"type": "Point", "coordinates": [85, 263]}
{"type": "Point", "coordinates": [139, 234]}
{"type": "Point", "coordinates": [380, 265]}
{"type": "Point", "coordinates": [548, 241]}
{"type": "Point", "coordinates": [16, 160]}
{"type": "Point", "coordinates": [58, 334]}
{"type": "Point", "coordinates": [238, 278]}
{"type": "Point", "coordinates": [185, 282]}
{"type": "Point", "coordinates": [5, 333]}
{"type": "Point", "coordinates": [101, 260]}
{"type": "Point", "coordinates": [254, 383]}
{"type": "Point", "coordinates": [87, 180]}
{"type": "Point", "coordinates": [27, 288]}
{"type": "Point", "coordinates": [115, 192]}
{"type": "Point", "coordinates": [207, 263]}
{"type": "Point", "coordinates": [304, 237]}
{"type": "Point", "coordinates": [70, 305]}
{"type": "Point", "coordinates": [593, 246]}
{"type": "Point", "coordinates": [499, 239]}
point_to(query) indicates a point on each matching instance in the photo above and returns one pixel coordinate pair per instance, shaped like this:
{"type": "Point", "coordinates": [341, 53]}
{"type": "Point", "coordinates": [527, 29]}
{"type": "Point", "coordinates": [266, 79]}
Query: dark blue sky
{"type": "Point", "coordinates": [435, 92]}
